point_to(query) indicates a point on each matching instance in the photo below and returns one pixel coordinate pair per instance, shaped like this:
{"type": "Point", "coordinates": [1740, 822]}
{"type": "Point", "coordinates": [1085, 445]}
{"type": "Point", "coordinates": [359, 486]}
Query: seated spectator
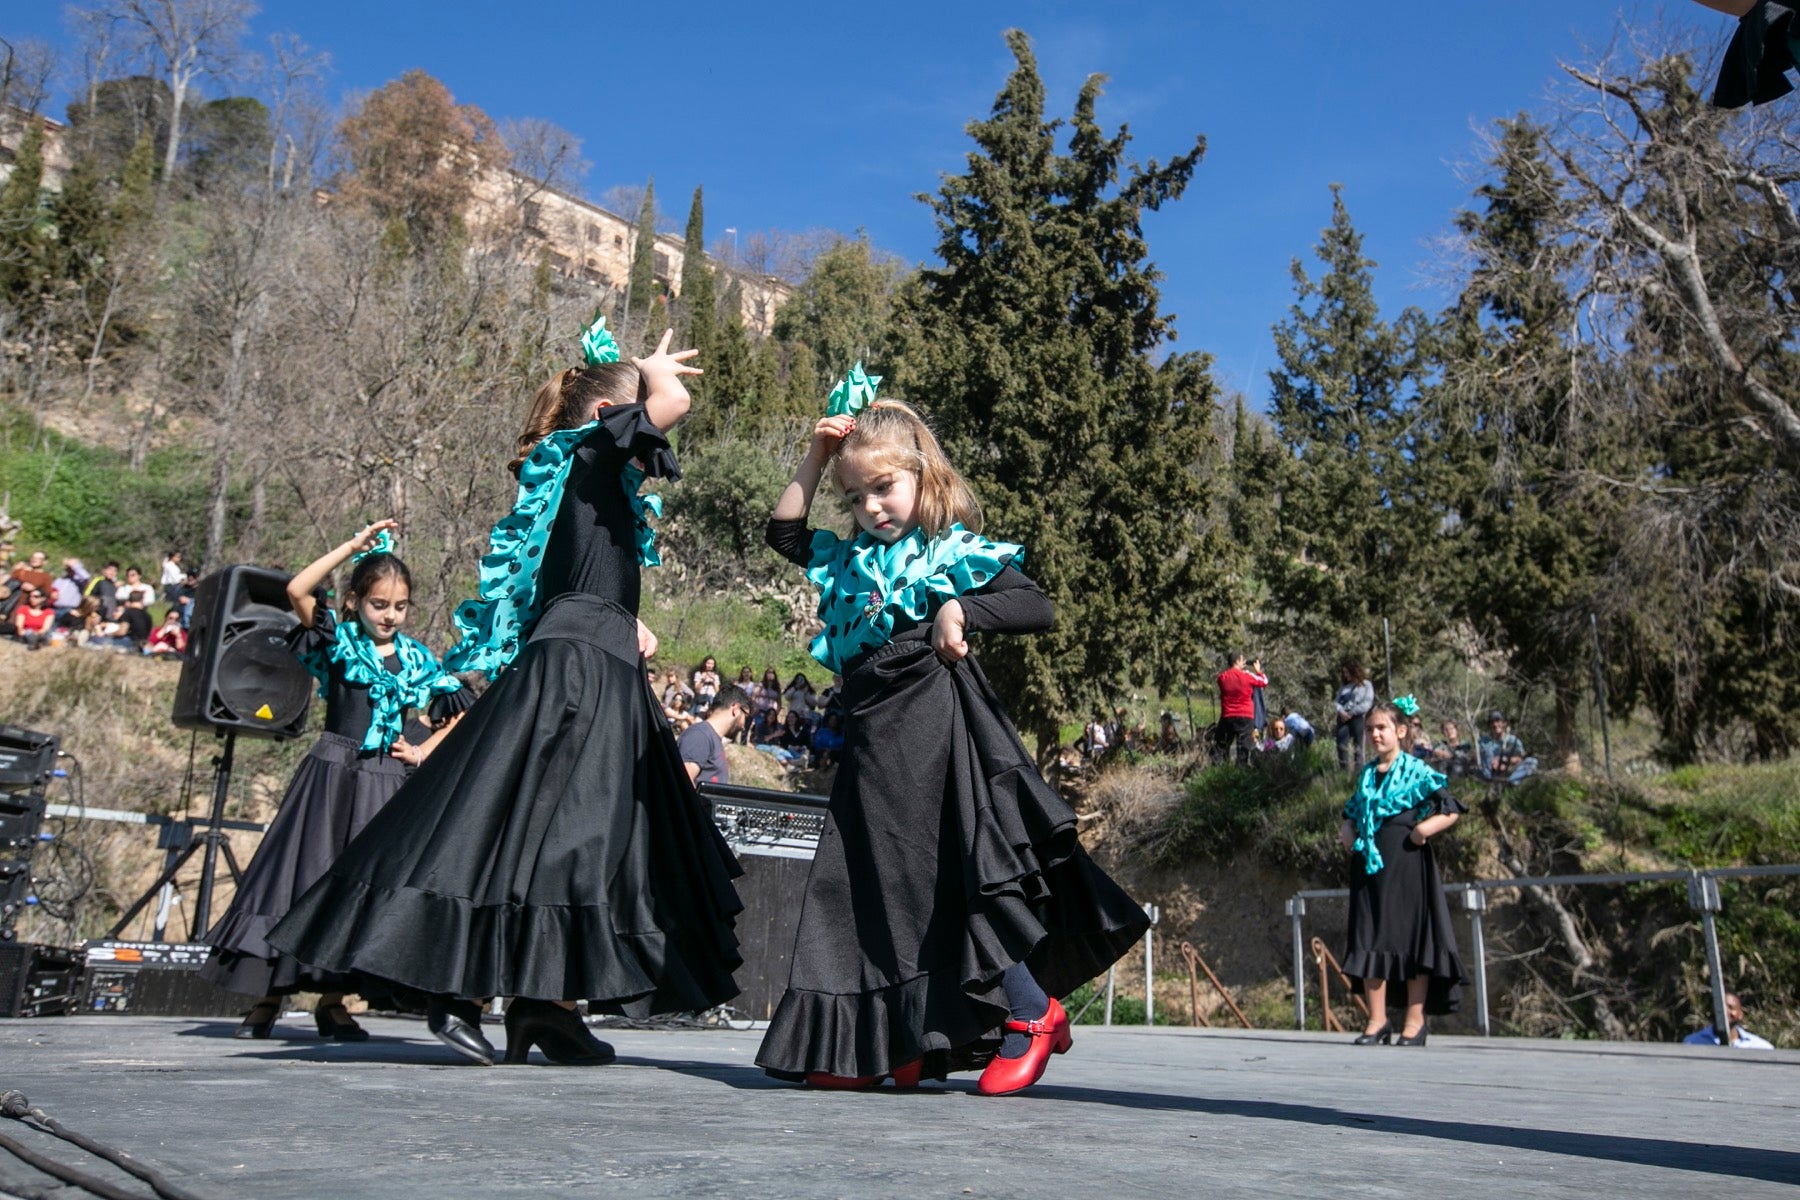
{"type": "Point", "coordinates": [832, 698]}
{"type": "Point", "coordinates": [184, 598]}
{"type": "Point", "coordinates": [679, 712]}
{"type": "Point", "coordinates": [1094, 738]}
{"type": "Point", "coordinates": [828, 740]}
{"type": "Point", "coordinates": [673, 687]}
{"type": "Point", "coordinates": [800, 698]}
{"type": "Point", "coordinates": [34, 571]}
{"type": "Point", "coordinates": [1452, 755]}
{"type": "Point", "coordinates": [1168, 736]}
{"type": "Point", "coordinates": [33, 619]}
{"type": "Point", "coordinates": [135, 585]}
{"type": "Point", "coordinates": [104, 589]}
{"type": "Point", "coordinates": [765, 703]}
{"type": "Point", "coordinates": [1501, 756]}
{"type": "Point", "coordinates": [170, 639]}
{"type": "Point", "coordinates": [65, 589]}
{"type": "Point", "coordinates": [80, 623]}
{"type": "Point", "coordinates": [1741, 1038]}
{"type": "Point", "coordinates": [1281, 738]}
{"type": "Point", "coordinates": [1301, 728]}
{"type": "Point", "coordinates": [794, 733]}
{"type": "Point", "coordinates": [136, 621]}
{"type": "Point", "coordinates": [1422, 746]}
{"type": "Point", "coordinates": [702, 746]}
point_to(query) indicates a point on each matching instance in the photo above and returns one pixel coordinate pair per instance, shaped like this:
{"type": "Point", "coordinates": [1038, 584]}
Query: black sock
{"type": "Point", "coordinates": [1025, 1001]}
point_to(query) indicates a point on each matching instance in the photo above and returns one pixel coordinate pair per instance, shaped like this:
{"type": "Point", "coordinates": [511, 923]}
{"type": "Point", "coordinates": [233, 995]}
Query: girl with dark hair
{"type": "Point", "coordinates": [706, 683]}
{"type": "Point", "coordinates": [370, 676]}
{"type": "Point", "coordinates": [553, 849]}
{"type": "Point", "coordinates": [949, 902]}
{"type": "Point", "coordinates": [1399, 927]}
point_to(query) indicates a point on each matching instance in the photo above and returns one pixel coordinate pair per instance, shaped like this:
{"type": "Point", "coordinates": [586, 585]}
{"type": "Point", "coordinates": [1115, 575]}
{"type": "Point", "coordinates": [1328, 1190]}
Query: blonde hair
{"type": "Point", "coordinates": [891, 434]}
{"type": "Point", "coordinates": [566, 398]}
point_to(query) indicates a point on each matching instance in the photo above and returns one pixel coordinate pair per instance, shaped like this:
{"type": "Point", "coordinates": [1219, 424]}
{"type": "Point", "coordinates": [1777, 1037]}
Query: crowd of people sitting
{"type": "Point", "coordinates": [1246, 728]}
{"type": "Point", "coordinates": [113, 609]}
{"type": "Point", "coordinates": [801, 727]}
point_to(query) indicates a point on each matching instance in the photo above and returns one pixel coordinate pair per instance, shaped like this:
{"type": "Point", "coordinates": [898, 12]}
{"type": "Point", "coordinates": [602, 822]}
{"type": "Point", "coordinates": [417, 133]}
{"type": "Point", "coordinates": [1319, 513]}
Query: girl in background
{"type": "Point", "coordinates": [1399, 930]}
{"type": "Point", "coordinates": [370, 676]}
{"type": "Point", "coordinates": [949, 902]}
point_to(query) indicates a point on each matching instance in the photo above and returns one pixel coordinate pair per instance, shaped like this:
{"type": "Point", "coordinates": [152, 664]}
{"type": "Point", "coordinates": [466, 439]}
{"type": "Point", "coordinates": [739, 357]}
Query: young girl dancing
{"type": "Point", "coordinates": [553, 849]}
{"type": "Point", "coordinates": [949, 901]}
{"type": "Point", "coordinates": [1399, 920]}
{"type": "Point", "coordinates": [370, 674]}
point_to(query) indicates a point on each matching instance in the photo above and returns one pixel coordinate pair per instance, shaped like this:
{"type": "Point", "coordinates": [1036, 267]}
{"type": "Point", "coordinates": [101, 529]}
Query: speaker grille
{"type": "Point", "coordinates": [256, 683]}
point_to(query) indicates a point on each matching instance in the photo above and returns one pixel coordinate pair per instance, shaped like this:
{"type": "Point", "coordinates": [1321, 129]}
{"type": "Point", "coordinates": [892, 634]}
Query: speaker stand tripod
{"type": "Point", "coordinates": [213, 839]}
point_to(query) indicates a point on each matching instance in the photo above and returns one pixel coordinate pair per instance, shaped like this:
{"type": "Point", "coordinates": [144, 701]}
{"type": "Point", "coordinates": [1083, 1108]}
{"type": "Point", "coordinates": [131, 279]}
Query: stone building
{"type": "Point", "coordinates": [13, 124]}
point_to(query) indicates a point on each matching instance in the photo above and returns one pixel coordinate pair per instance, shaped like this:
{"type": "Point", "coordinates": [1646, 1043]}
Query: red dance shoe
{"type": "Point", "coordinates": [1049, 1035]}
{"type": "Point", "coordinates": [904, 1077]}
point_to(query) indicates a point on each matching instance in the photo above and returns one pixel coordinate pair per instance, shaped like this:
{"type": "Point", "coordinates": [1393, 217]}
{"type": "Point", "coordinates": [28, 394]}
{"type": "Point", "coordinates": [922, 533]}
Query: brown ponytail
{"type": "Point", "coordinates": [567, 399]}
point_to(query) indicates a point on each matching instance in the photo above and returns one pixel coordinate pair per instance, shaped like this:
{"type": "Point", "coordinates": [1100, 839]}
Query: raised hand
{"type": "Point", "coordinates": [367, 535]}
{"type": "Point", "coordinates": [827, 434]}
{"type": "Point", "coordinates": [666, 398]}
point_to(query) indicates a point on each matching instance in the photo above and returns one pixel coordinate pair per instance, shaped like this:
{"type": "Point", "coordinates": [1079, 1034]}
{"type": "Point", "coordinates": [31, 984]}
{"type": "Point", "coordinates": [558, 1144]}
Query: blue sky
{"type": "Point", "coordinates": [794, 120]}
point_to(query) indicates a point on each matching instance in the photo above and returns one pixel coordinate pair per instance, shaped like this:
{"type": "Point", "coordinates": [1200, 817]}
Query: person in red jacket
{"type": "Point", "coordinates": [1237, 707]}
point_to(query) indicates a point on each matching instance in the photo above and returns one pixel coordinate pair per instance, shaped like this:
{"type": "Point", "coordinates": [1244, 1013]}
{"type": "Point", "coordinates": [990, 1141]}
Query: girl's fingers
{"type": "Point", "coordinates": [662, 347]}
{"type": "Point", "coordinates": [682, 355]}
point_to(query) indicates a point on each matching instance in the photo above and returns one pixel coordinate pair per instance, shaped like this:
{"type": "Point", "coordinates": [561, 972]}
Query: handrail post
{"type": "Point", "coordinates": [1475, 900]}
{"type": "Point", "coordinates": [1155, 915]}
{"type": "Point", "coordinates": [1703, 894]}
{"type": "Point", "coordinates": [1296, 910]}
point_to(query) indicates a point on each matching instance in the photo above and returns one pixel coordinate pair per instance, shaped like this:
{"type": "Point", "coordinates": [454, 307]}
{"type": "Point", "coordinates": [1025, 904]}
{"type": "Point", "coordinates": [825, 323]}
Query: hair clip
{"type": "Point", "coordinates": [1407, 704]}
{"type": "Point", "coordinates": [597, 345]}
{"type": "Point", "coordinates": [853, 393]}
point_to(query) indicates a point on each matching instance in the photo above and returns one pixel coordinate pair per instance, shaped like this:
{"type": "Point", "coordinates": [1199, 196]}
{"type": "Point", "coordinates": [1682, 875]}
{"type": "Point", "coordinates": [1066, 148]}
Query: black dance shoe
{"type": "Point", "coordinates": [457, 1024]}
{"type": "Point", "coordinates": [259, 1022]}
{"type": "Point", "coordinates": [1417, 1039]}
{"type": "Point", "coordinates": [335, 1022]}
{"type": "Point", "coordinates": [1381, 1036]}
{"type": "Point", "coordinates": [559, 1032]}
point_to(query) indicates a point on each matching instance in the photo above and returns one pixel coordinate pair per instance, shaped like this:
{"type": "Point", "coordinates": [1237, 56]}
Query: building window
{"type": "Point", "coordinates": [618, 241]}
{"type": "Point", "coordinates": [662, 264]}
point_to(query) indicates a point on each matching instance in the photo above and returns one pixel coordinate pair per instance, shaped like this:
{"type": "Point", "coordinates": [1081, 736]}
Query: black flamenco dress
{"type": "Point", "coordinates": [552, 847]}
{"type": "Point", "coordinates": [1399, 921]}
{"type": "Point", "coordinates": [336, 791]}
{"type": "Point", "coordinates": [945, 860]}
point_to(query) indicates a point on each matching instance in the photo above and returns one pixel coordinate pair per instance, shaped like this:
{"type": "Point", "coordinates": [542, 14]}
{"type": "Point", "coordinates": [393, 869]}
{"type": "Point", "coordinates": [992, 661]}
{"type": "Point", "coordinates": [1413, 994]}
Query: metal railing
{"type": "Point", "coordinates": [1703, 897]}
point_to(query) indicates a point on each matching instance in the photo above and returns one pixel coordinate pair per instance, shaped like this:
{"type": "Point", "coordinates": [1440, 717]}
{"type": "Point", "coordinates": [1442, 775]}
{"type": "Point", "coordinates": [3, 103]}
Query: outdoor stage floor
{"type": "Point", "coordinates": [1129, 1112]}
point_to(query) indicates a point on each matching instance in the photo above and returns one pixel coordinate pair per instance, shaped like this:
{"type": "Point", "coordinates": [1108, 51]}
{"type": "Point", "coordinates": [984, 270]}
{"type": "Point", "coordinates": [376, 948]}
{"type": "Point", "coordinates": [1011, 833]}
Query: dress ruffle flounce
{"type": "Point", "coordinates": [551, 847]}
{"type": "Point", "coordinates": [968, 863]}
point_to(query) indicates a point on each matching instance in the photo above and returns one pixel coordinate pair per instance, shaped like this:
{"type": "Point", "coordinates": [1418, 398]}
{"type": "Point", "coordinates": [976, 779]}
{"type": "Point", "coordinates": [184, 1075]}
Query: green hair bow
{"type": "Point", "coordinates": [597, 345]}
{"type": "Point", "coordinates": [1408, 704]}
{"type": "Point", "coordinates": [854, 392]}
{"type": "Point", "coordinates": [383, 544]}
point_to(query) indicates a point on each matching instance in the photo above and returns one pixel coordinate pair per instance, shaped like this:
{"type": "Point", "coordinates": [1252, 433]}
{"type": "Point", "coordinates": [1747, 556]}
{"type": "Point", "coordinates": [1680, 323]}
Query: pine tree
{"type": "Point", "coordinates": [727, 370]}
{"type": "Point", "coordinates": [1350, 547]}
{"type": "Point", "coordinates": [697, 311]}
{"type": "Point", "coordinates": [840, 309]}
{"type": "Point", "coordinates": [641, 289]}
{"type": "Point", "coordinates": [1030, 345]}
{"type": "Point", "coordinates": [1527, 541]}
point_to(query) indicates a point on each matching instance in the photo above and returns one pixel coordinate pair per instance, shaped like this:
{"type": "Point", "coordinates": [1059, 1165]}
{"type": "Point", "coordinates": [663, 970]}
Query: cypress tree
{"type": "Point", "coordinates": [22, 235]}
{"type": "Point", "coordinates": [642, 286]}
{"type": "Point", "coordinates": [1030, 345]}
{"type": "Point", "coordinates": [698, 306]}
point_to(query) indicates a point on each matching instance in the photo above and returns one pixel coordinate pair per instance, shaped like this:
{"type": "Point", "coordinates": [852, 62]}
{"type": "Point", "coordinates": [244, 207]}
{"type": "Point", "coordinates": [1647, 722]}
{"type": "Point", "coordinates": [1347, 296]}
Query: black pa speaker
{"type": "Point", "coordinates": [238, 673]}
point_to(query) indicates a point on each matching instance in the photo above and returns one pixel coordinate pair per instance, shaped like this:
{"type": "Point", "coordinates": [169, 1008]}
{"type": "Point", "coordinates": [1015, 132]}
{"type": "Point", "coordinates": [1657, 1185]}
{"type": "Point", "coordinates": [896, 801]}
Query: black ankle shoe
{"type": "Point", "coordinates": [457, 1024]}
{"type": "Point", "coordinates": [1381, 1036]}
{"type": "Point", "coordinates": [334, 1021]}
{"type": "Point", "coordinates": [559, 1032]}
{"type": "Point", "coordinates": [1417, 1039]}
{"type": "Point", "coordinates": [259, 1022]}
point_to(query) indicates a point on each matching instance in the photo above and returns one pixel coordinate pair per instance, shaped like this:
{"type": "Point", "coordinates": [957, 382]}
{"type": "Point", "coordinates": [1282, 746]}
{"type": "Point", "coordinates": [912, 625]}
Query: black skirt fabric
{"type": "Point", "coordinates": [945, 860]}
{"type": "Point", "coordinates": [551, 847]}
{"type": "Point", "coordinates": [335, 793]}
{"type": "Point", "coordinates": [1400, 921]}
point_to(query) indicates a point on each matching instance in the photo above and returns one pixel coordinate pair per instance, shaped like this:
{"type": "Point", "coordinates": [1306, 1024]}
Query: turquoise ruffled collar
{"type": "Point", "coordinates": [866, 586]}
{"type": "Point", "coordinates": [1406, 785]}
{"type": "Point", "coordinates": [391, 693]}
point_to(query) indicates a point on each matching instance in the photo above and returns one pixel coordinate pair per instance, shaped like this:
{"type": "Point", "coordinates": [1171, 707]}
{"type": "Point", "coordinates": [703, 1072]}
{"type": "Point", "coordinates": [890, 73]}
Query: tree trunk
{"type": "Point", "coordinates": [178, 86]}
{"type": "Point", "coordinates": [1567, 752]}
{"type": "Point", "coordinates": [219, 486]}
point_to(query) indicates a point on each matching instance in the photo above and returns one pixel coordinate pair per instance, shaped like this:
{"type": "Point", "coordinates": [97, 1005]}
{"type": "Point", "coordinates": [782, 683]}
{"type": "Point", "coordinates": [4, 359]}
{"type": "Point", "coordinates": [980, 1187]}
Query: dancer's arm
{"type": "Point", "coordinates": [301, 587]}
{"type": "Point", "coordinates": [666, 398]}
{"type": "Point", "coordinates": [796, 500]}
{"type": "Point", "coordinates": [413, 755]}
{"type": "Point", "coordinates": [1010, 603]}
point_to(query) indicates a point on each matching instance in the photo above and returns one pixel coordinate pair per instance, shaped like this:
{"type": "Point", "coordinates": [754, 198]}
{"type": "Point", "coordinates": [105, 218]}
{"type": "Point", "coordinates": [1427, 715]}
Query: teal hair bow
{"type": "Point", "coordinates": [383, 544]}
{"type": "Point", "coordinates": [597, 345]}
{"type": "Point", "coordinates": [854, 392]}
{"type": "Point", "coordinates": [1408, 704]}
